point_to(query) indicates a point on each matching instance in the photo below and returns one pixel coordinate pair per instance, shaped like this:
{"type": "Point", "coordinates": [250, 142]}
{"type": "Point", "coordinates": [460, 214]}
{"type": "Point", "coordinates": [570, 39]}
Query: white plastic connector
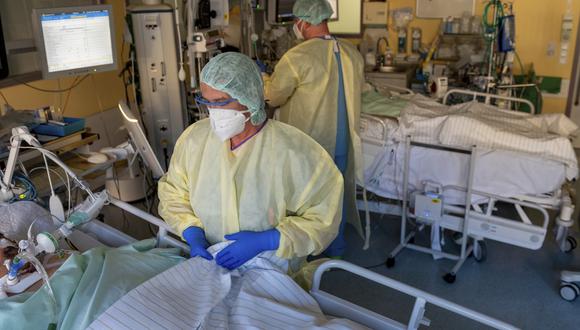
{"type": "Point", "coordinates": [11, 281]}
{"type": "Point", "coordinates": [46, 242]}
{"type": "Point", "coordinates": [566, 211]}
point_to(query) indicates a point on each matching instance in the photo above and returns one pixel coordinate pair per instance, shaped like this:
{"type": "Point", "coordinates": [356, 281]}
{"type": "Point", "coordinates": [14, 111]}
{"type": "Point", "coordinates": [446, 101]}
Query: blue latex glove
{"type": "Point", "coordinates": [247, 245]}
{"type": "Point", "coordinates": [195, 238]}
{"type": "Point", "coordinates": [263, 67]}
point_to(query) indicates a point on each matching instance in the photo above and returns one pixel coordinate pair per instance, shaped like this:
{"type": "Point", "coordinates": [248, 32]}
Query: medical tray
{"type": "Point", "coordinates": [72, 125]}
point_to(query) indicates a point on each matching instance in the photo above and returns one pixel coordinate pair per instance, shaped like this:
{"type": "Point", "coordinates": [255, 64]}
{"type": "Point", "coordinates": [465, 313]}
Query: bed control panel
{"type": "Point", "coordinates": [429, 206]}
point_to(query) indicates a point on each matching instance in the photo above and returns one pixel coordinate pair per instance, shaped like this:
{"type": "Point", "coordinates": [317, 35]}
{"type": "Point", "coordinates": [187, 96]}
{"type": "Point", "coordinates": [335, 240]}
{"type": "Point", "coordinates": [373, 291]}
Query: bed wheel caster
{"type": "Point", "coordinates": [390, 263]}
{"type": "Point", "coordinates": [569, 291]}
{"type": "Point", "coordinates": [570, 244]}
{"type": "Point", "coordinates": [480, 254]}
{"type": "Point", "coordinates": [450, 278]}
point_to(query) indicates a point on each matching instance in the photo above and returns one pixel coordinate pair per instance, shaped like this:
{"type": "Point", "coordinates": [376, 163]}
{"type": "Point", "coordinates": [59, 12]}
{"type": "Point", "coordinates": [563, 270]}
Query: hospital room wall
{"type": "Point", "coordinates": [98, 92]}
{"type": "Point", "coordinates": [538, 23]}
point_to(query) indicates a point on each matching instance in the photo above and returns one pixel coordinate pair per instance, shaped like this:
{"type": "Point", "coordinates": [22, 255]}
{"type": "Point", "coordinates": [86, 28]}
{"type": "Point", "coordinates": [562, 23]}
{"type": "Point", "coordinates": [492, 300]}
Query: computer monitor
{"type": "Point", "coordinates": [74, 41]}
{"type": "Point", "coordinates": [284, 11]}
{"type": "Point", "coordinates": [140, 141]}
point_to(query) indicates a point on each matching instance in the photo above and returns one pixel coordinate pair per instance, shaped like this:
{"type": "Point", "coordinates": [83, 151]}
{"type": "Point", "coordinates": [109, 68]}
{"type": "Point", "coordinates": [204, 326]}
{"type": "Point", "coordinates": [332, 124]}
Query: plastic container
{"type": "Point", "coordinates": [465, 27]}
{"type": "Point", "coordinates": [476, 25]}
{"type": "Point", "coordinates": [455, 26]}
{"type": "Point", "coordinates": [416, 37]}
{"type": "Point", "coordinates": [72, 125]}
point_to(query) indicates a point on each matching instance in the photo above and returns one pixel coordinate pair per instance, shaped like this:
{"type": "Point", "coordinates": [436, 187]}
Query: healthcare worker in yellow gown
{"type": "Point", "coordinates": [238, 176]}
{"type": "Point", "coordinates": [317, 85]}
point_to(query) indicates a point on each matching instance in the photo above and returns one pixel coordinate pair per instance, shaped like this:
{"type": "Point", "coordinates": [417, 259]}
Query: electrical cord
{"type": "Point", "coordinates": [29, 194]}
{"type": "Point", "coordinates": [65, 183]}
{"type": "Point", "coordinates": [4, 98]}
{"type": "Point", "coordinates": [68, 97]}
{"type": "Point", "coordinates": [48, 174]}
{"type": "Point", "coordinates": [54, 172]}
{"type": "Point", "coordinates": [74, 85]}
{"type": "Point", "coordinates": [125, 224]}
{"type": "Point", "coordinates": [100, 105]}
{"type": "Point", "coordinates": [56, 160]}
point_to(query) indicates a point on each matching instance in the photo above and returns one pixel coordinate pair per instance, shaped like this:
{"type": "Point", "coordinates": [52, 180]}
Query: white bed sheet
{"type": "Point", "coordinates": [199, 294]}
{"type": "Point", "coordinates": [500, 172]}
{"type": "Point", "coordinates": [545, 136]}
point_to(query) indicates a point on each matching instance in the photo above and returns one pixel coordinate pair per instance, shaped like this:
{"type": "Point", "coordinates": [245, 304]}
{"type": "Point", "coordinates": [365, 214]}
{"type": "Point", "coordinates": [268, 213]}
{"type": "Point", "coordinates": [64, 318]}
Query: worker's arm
{"type": "Point", "coordinates": [318, 216]}
{"type": "Point", "coordinates": [173, 190]}
{"type": "Point", "coordinates": [280, 86]}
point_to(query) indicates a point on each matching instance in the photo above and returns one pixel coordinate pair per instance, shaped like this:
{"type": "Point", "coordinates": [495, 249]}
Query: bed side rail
{"type": "Point", "coordinates": [385, 129]}
{"type": "Point", "coordinates": [488, 97]}
{"type": "Point", "coordinates": [338, 307]}
{"type": "Point", "coordinates": [163, 237]}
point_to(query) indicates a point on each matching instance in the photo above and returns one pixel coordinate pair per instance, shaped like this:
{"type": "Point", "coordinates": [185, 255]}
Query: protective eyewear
{"type": "Point", "coordinates": [200, 100]}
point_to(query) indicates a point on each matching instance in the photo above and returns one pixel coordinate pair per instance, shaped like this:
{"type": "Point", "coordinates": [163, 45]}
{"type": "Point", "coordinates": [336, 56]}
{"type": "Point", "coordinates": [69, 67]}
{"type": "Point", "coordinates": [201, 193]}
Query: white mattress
{"type": "Point", "coordinates": [506, 173]}
{"type": "Point", "coordinates": [499, 172]}
{"type": "Point", "coordinates": [545, 136]}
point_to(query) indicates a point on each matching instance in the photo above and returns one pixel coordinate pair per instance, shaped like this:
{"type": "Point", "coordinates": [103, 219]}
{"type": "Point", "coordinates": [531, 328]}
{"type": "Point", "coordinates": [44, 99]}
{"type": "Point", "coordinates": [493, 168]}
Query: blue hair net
{"type": "Point", "coordinates": [237, 75]}
{"type": "Point", "coordinates": [312, 11]}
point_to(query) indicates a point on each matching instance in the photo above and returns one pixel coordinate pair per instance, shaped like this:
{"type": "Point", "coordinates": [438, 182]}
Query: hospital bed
{"type": "Point", "coordinates": [398, 168]}
{"type": "Point", "coordinates": [332, 305]}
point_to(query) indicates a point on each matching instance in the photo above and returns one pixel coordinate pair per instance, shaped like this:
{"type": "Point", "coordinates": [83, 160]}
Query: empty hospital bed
{"type": "Point", "coordinates": [428, 148]}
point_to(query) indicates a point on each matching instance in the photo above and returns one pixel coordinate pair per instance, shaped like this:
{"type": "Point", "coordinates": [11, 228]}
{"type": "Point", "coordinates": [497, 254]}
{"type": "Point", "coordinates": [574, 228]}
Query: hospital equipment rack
{"type": "Point", "coordinates": [406, 240]}
{"type": "Point", "coordinates": [472, 221]}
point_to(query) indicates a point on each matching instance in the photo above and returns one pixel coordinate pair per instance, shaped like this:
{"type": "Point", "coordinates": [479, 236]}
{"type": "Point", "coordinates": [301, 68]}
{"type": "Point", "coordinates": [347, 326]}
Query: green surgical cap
{"type": "Point", "coordinates": [237, 75]}
{"type": "Point", "coordinates": [312, 11]}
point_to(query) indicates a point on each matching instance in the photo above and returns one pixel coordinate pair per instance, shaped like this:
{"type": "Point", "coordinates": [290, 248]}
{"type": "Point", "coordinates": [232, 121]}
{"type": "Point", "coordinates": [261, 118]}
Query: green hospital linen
{"type": "Point", "coordinates": [87, 284]}
{"type": "Point", "coordinates": [374, 103]}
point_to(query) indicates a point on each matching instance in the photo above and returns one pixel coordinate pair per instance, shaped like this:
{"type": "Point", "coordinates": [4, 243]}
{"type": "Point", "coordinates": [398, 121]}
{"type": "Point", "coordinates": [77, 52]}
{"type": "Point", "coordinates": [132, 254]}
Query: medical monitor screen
{"type": "Point", "coordinates": [284, 11]}
{"type": "Point", "coordinates": [75, 40]}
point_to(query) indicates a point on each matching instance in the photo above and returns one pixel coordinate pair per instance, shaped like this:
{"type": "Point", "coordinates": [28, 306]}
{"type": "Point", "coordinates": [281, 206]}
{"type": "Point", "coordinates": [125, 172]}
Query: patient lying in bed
{"type": "Point", "coordinates": [139, 286]}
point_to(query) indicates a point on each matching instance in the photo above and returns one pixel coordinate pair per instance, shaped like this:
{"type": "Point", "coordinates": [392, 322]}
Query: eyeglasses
{"type": "Point", "coordinates": [200, 100]}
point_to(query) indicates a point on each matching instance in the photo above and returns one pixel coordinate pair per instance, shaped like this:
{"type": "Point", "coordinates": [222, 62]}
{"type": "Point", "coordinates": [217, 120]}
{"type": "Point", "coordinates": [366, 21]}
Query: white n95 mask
{"type": "Point", "coordinates": [297, 31]}
{"type": "Point", "coordinates": [227, 123]}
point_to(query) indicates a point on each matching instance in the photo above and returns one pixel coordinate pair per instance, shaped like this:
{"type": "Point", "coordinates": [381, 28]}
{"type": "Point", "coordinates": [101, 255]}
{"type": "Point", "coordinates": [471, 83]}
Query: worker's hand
{"type": "Point", "coordinates": [195, 238]}
{"type": "Point", "coordinates": [263, 67]}
{"type": "Point", "coordinates": [246, 245]}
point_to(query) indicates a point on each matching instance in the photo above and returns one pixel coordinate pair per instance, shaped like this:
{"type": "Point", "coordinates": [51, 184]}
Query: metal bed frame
{"type": "Point", "coordinates": [336, 306]}
{"type": "Point", "coordinates": [487, 97]}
